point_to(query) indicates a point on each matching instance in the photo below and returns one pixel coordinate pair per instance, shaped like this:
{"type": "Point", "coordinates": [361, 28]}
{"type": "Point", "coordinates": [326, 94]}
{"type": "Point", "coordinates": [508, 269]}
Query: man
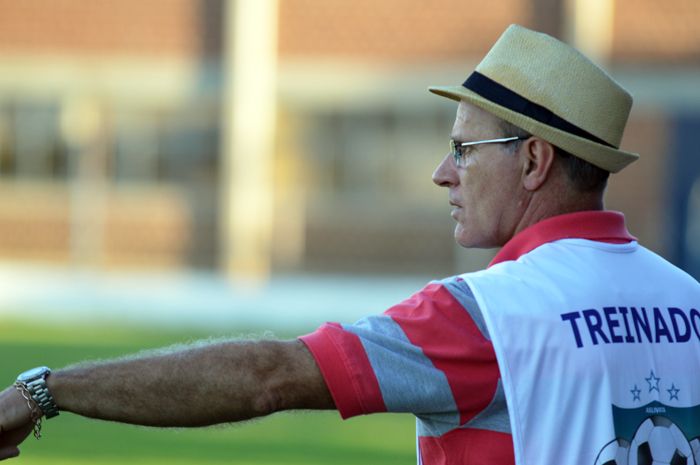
{"type": "Point", "coordinates": [544, 357]}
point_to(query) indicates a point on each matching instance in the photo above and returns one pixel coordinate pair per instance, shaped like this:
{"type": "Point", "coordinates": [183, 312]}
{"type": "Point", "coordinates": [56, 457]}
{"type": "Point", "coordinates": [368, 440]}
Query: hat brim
{"type": "Point", "coordinates": [602, 156]}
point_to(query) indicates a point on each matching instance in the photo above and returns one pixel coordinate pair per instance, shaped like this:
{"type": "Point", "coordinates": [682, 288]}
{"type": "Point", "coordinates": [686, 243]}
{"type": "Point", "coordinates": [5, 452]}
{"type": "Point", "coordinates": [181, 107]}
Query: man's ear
{"type": "Point", "coordinates": [538, 159]}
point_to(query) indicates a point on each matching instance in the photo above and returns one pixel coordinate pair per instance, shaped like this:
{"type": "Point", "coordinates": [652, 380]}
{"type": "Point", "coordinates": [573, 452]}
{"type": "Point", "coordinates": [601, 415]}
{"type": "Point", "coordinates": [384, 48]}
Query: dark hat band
{"type": "Point", "coordinates": [500, 95]}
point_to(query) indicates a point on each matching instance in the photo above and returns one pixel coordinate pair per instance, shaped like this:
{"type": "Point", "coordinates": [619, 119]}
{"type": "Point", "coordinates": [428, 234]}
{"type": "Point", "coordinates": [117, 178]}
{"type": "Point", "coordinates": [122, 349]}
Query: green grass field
{"type": "Point", "coordinates": [289, 438]}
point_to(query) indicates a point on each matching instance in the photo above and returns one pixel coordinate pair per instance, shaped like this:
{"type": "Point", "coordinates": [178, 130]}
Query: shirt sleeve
{"type": "Point", "coordinates": [428, 355]}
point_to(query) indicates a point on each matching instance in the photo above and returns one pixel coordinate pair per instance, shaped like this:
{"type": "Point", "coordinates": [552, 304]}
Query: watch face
{"type": "Point", "coordinates": [33, 374]}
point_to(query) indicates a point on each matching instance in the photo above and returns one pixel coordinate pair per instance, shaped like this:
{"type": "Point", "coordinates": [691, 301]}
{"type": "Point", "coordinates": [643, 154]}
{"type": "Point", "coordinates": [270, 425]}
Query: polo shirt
{"type": "Point", "coordinates": [431, 355]}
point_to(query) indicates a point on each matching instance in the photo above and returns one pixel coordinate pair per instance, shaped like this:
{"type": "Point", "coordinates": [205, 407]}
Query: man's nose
{"type": "Point", "coordinates": [446, 175]}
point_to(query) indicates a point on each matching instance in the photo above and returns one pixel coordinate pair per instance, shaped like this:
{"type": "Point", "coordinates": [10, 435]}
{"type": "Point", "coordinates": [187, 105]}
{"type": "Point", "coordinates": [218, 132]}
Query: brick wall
{"type": "Point", "coordinates": [395, 29]}
{"type": "Point", "coordinates": [102, 26]}
{"type": "Point", "coordinates": [639, 191]}
{"type": "Point", "coordinates": [644, 30]}
{"type": "Point", "coordinates": [657, 30]}
{"type": "Point", "coordinates": [147, 227]}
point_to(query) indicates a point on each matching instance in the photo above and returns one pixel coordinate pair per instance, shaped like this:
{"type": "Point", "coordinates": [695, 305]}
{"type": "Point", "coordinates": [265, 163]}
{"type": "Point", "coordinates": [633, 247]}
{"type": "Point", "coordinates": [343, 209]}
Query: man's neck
{"type": "Point", "coordinates": [558, 199]}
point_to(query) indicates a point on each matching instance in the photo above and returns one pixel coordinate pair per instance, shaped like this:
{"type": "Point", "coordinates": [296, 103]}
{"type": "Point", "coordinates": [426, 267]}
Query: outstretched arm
{"type": "Point", "coordinates": [216, 383]}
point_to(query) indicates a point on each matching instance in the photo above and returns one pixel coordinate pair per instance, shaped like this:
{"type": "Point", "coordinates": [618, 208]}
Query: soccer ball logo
{"type": "Point", "coordinates": [614, 453]}
{"type": "Point", "coordinates": [657, 441]}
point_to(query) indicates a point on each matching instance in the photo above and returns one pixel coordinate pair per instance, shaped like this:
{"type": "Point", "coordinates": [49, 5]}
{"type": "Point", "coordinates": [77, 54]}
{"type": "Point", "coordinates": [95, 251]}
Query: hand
{"type": "Point", "coordinates": [15, 424]}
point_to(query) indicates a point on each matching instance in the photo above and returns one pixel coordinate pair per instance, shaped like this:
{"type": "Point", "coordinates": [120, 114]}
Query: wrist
{"type": "Point", "coordinates": [32, 385]}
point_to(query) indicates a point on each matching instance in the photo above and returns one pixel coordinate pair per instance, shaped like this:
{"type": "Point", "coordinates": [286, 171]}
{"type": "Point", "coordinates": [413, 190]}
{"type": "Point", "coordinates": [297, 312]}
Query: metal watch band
{"type": "Point", "coordinates": [40, 394]}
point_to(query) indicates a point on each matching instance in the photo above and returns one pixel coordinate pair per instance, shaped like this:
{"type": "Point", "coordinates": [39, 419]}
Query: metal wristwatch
{"type": "Point", "coordinates": [34, 381]}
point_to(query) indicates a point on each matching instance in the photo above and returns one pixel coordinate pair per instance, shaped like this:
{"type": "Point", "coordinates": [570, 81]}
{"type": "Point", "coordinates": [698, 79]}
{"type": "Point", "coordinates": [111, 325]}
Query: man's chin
{"type": "Point", "coordinates": [465, 240]}
{"type": "Point", "coordinates": [470, 241]}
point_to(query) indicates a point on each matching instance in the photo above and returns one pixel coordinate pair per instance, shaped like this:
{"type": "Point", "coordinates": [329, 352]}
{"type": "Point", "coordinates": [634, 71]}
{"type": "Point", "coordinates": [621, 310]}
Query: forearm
{"type": "Point", "coordinates": [216, 383]}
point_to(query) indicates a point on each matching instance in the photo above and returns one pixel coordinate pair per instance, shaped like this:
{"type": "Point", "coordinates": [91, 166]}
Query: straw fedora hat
{"type": "Point", "coordinates": [552, 91]}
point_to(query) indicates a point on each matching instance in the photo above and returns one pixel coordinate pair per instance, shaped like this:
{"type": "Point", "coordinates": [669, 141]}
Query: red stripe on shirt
{"type": "Point", "coordinates": [436, 322]}
{"type": "Point", "coordinates": [468, 445]}
{"type": "Point", "coordinates": [346, 369]}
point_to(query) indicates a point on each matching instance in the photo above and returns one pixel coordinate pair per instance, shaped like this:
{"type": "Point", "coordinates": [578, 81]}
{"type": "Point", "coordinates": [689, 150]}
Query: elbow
{"type": "Point", "coordinates": [289, 380]}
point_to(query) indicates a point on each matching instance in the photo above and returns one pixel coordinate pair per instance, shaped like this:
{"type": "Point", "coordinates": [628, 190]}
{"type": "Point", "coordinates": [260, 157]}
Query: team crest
{"type": "Point", "coordinates": [655, 433]}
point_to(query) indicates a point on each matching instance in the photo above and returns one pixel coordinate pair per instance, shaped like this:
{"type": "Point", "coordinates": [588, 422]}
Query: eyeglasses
{"type": "Point", "coordinates": [459, 150]}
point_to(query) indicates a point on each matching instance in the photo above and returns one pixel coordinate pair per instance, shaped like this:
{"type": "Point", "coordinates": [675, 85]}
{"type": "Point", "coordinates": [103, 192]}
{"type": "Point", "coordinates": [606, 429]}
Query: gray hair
{"type": "Point", "coordinates": [584, 176]}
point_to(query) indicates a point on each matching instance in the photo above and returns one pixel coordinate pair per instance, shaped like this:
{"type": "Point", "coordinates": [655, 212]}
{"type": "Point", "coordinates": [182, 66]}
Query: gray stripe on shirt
{"type": "Point", "coordinates": [408, 380]}
{"type": "Point", "coordinates": [434, 425]}
{"type": "Point", "coordinates": [460, 290]}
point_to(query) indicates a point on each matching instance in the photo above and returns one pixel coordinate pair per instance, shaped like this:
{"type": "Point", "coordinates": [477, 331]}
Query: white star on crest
{"type": "Point", "coordinates": [653, 382]}
{"type": "Point", "coordinates": [635, 392]}
{"type": "Point", "coordinates": [673, 391]}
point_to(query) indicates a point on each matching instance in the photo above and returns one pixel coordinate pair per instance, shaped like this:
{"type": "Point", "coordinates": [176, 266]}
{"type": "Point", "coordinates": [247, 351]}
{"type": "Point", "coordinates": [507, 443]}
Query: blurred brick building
{"type": "Point", "coordinates": [113, 131]}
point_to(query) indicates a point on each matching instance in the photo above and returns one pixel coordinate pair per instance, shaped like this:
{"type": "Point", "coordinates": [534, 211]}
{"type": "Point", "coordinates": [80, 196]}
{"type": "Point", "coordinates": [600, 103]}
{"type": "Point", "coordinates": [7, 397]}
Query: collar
{"type": "Point", "coordinates": [600, 226]}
